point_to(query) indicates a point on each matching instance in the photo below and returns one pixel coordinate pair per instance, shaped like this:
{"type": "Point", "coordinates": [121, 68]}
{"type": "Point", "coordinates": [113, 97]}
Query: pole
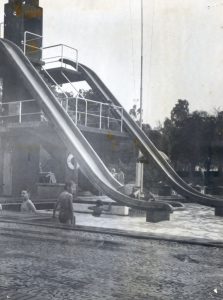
{"type": "Point", "coordinates": [139, 168]}
{"type": "Point", "coordinates": [141, 95]}
{"type": "Point", "coordinates": [141, 66]}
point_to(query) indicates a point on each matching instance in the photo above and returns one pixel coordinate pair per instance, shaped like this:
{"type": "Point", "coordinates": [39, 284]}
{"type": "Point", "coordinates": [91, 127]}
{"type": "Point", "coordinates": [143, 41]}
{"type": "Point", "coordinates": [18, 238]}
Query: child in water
{"type": "Point", "coordinates": [27, 205]}
{"type": "Point", "coordinates": [98, 208]}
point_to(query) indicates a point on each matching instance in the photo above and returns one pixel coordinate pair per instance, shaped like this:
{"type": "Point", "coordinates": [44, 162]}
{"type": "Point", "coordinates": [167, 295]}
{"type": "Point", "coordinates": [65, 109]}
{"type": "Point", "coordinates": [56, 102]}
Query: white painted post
{"type": "Point", "coordinates": [67, 104]}
{"type": "Point", "coordinates": [100, 114]}
{"type": "Point", "coordinates": [76, 110]}
{"type": "Point", "coordinates": [20, 112]}
{"type": "Point", "coordinates": [122, 120]}
{"type": "Point", "coordinates": [86, 114]}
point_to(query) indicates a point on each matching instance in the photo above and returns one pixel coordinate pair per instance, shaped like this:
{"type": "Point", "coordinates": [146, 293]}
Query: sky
{"type": "Point", "coordinates": [182, 48]}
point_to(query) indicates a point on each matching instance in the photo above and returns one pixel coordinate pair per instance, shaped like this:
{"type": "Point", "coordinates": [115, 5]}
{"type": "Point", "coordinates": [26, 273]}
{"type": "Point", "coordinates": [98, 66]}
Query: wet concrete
{"type": "Point", "coordinates": [195, 223]}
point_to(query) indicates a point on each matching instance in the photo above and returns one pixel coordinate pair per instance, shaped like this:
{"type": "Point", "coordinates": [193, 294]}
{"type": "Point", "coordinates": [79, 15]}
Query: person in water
{"type": "Point", "coordinates": [65, 204]}
{"type": "Point", "coordinates": [98, 208]}
{"type": "Point", "coordinates": [27, 205]}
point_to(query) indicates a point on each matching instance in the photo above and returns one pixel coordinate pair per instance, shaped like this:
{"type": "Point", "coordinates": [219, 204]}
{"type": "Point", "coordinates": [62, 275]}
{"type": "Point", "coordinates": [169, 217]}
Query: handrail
{"type": "Point", "coordinates": [97, 102]}
{"type": "Point", "coordinates": [94, 115]}
{"type": "Point", "coordinates": [34, 47]}
{"type": "Point", "coordinates": [36, 37]}
{"type": "Point", "coordinates": [55, 82]}
{"type": "Point", "coordinates": [19, 111]}
{"type": "Point", "coordinates": [62, 59]}
{"type": "Point", "coordinates": [99, 115]}
{"type": "Point", "coordinates": [32, 33]}
{"type": "Point", "coordinates": [25, 40]}
{"type": "Point", "coordinates": [23, 114]}
{"type": "Point", "coordinates": [15, 102]}
{"type": "Point", "coordinates": [51, 57]}
{"type": "Point", "coordinates": [65, 76]}
{"type": "Point", "coordinates": [56, 45]}
{"type": "Point", "coordinates": [61, 56]}
{"type": "Point", "coordinates": [86, 113]}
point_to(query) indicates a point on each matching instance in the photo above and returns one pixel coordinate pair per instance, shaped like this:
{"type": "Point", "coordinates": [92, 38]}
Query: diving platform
{"type": "Point", "coordinates": [60, 75]}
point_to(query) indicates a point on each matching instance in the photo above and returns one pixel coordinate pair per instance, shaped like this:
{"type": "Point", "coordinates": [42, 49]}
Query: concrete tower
{"type": "Point", "coordinates": [22, 16]}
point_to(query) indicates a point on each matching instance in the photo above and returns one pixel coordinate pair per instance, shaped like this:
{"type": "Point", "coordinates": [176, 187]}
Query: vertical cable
{"type": "Point", "coordinates": [151, 45]}
{"type": "Point", "coordinates": [132, 44]}
{"type": "Point", "coordinates": [141, 67]}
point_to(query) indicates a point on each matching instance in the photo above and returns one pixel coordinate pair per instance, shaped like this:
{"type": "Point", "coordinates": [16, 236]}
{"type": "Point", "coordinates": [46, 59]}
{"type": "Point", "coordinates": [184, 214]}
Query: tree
{"type": "Point", "coordinates": [180, 112]}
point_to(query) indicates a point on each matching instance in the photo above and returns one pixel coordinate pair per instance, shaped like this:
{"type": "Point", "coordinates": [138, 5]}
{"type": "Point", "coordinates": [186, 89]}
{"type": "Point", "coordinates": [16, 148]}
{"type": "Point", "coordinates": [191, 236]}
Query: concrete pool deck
{"type": "Point", "coordinates": [112, 257]}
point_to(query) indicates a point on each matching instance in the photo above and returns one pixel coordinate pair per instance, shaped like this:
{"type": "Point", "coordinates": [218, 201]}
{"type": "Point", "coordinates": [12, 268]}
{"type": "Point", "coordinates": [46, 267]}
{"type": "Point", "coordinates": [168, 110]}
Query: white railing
{"type": "Point", "coordinates": [31, 43]}
{"type": "Point", "coordinates": [79, 92]}
{"type": "Point", "coordinates": [20, 111]}
{"type": "Point", "coordinates": [84, 112]}
{"type": "Point", "coordinates": [54, 55]}
{"type": "Point", "coordinates": [92, 113]}
{"type": "Point", "coordinates": [1, 30]}
{"type": "Point", "coordinates": [54, 81]}
{"type": "Point", "coordinates": [57, 54]}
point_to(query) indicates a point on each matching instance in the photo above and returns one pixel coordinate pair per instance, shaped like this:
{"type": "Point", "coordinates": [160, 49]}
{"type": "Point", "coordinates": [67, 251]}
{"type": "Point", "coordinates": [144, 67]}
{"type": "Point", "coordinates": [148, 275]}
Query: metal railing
{"type": "Point", "coordinates": [30, 43]}
{"type": "Point", "coordinates": [95, 114]}
{"type": "Point", "coordinates": [79, 92]}
{"type": "Point", "coordinates": [20, 111]}
{"type": "Point", "coordinates": [54, 54]}
{"type": "Point", "coordinates": [54, 81]}
{"type": "Point", "coordinates": [105, 117]}
{"type": "Point", "coordinates": [84, 112]}
{"type": "Point", "coordinates": [57, 54]}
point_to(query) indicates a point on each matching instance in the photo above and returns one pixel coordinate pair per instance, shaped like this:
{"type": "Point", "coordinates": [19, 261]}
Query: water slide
{"type": "Point", "coordinates": [145, 144]}
{"type": "Point", "coordinates": [87, 158]}
{"type": "Point", "coordinates": [90, 163]}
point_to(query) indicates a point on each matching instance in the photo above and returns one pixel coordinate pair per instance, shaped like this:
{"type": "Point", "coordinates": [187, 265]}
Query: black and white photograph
{"type": "Point", "coordinates": [111, 149]}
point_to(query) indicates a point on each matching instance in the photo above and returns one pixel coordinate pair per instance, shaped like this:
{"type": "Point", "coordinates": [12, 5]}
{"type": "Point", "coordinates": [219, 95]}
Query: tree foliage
{"type": "Point", "coordinates": [180, 112]}
{"type": "Point", "coordinates": [188, 138]}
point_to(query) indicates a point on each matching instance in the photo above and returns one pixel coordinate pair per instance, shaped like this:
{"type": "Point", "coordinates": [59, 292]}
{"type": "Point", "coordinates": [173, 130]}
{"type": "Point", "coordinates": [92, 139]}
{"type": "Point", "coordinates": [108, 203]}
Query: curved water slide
{"type": "Point", "coordinates": [87, 158]}
{"type": "Point", "coordinates": [145, 144]}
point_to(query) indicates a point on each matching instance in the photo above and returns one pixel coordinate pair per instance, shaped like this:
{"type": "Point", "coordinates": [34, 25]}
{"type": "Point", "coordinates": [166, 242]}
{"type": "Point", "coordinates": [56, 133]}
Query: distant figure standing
{"type": "Point", "coordinates": [114, 173]}
{"type": "Point", "coordinates": [121, 176]}
{"type": "Point", "coordinates": [133, 112]}
{"type": "Point", "coordinates": [65, 204]}
{"type": "Point", "coordinates": [27, 205]}
{"type": "Point", "coordinates": [207, 166]}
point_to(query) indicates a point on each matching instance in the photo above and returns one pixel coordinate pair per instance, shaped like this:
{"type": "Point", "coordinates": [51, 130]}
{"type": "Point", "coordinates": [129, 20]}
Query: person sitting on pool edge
{"type": "Point", "coordinates": [98, 208]}
{"type": "Point", "coordinates": [65, 204]}
{"type": "Point", "coordinates": [27, 205]}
